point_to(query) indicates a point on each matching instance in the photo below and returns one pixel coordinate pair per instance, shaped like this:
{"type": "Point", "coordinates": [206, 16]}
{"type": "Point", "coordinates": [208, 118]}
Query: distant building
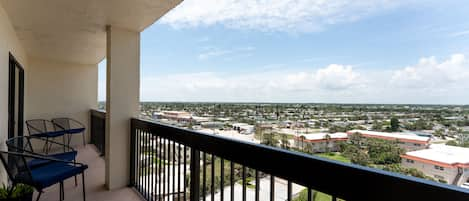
{"type": "Point", "coordinates": [407, 141]}
{"type": "Point", "coordinates": [243, 128]}
{"type": "Point", "coordinates": [178, 116]}
{"type": "Point", "coordinates": [318, 142]}
{"type": "Point", "coordinates": [212, 124]}
{"type": "Point", "coordinates": [442, 162]}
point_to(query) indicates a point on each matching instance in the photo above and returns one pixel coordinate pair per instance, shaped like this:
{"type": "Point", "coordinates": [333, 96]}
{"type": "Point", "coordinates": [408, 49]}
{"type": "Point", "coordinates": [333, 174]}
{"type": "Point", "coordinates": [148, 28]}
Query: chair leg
{"type": "Point", "coordinates": [63, 138]}
{"type": "Point", "coordinates": [69, 136]}
{"type": "Point", "coordinates": [61, 191]}
{"type": "Point", "coordinates": [84, 140]}
{"type": "Point", "coordinates": [46, 145]}
{"type": "Point", "coordinates": [39, 195]}
{"type": "Point", "coordinates": [76, 182]}
{"type": "Point", "coordinates": [83, 183]}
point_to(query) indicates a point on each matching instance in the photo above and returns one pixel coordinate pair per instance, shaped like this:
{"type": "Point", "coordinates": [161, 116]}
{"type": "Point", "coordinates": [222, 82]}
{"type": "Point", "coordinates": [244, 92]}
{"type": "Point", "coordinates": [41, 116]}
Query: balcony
{"type": "Point", "coordinates": [164, 159]}
{"type": "Point", "coordinates": [95, 184]}
{"type": "Point", "coordinates": [60, 45]}
{"type": "Point", "coordinates": [162, 154]}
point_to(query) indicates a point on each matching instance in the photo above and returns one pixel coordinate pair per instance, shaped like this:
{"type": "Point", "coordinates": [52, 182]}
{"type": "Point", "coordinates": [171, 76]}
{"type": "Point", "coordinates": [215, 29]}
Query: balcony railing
{"type": "Point", "coordinates": [170, 163]}
{"type": "Point", "coordinates": [97, 129]}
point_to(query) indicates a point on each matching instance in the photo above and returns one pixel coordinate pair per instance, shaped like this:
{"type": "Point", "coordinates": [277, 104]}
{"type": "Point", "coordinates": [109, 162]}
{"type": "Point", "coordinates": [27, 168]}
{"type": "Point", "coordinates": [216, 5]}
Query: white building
{"type": "Point", "coordinates": [178, 116]}
{"type": "Point", "coordinates": [243, 128]}
{"type": "Point", "coordinates": [319, 142]}
{"type": "Point", "coordinates": [407, 141]}
{"type": "Point", "coordinates": [442, 162]}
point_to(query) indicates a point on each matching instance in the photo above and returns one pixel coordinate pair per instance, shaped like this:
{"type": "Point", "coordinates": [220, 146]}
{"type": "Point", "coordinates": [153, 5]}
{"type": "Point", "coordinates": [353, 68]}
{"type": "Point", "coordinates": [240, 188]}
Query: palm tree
{"type": "Point", "coordinates": [302, 139]}
{"type": "Point", "coordinates": [327, 137]}
{"type": "Point", "coordinates": [284, 141]}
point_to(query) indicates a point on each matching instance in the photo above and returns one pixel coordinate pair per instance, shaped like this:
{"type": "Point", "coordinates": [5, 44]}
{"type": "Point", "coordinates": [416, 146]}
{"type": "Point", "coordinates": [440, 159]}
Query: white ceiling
{"type": "Point", "coordinates": [74, 30]}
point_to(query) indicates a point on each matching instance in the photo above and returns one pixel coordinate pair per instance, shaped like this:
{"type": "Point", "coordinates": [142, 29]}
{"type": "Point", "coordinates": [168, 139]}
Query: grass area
{"type": "Point", "coordinates": [322, 197]}
{"type": "Point", "coordinates": [157, 161]}
{"type": "Point", "coordinates": [317, 196]}
{"type": "Point", "coordinates": [334, 156]}
{"type": "Point", "coordinates": [226, 178]}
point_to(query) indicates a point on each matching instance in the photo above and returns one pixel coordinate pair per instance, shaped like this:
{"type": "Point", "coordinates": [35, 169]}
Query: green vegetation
{"type": "Point", "coordinates": [420, 124]}
{"type": "Point", "coordinates": [406, 171]}
{"type": "Point", "coordinates": [317, 196]}
{"type": "Point", "coordinates": [16, 192]}
{"type": "Point", "coordinates": [335, 156]}
{"type": "Point", "coordinates": [464, 143]}
{"type": "Point", "coordinates": [250, 174]}
{"type": "Point", "coordinates": [367, 151]}
{"type": "Point", "coordinates": [394, 124]}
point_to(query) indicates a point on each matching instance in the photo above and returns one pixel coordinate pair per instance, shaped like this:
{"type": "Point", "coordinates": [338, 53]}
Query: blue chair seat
{"type": "Point", "coordinates": [51, 134]}
{"type": "Point", "coordinates": [52, 173]}
{"type": "Point", "coordinates": [67, 156]}
{"type": "Point", "coordinates": [75, 130]}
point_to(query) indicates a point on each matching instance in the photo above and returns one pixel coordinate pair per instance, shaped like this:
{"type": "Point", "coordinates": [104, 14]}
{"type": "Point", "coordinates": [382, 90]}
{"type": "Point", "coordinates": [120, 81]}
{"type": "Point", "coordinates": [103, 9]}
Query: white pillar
{"type": "Point", "coordinates": [122, 95]}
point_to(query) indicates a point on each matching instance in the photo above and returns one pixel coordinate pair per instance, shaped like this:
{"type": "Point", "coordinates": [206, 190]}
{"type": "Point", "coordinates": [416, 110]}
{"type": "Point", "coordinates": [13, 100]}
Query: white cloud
{"type": "Point", "coordinates": [428, 81]}
{"type": "Point", "coordinates": [429, 73]}
{"type": "Point", "coordinates": [263, 86]}
{"type": "Point", "coordinates": [210, 52]}
{"type": "Point", "coordinates": [337, 77]}
{"type": "Point", "coordinates": [269, 15]}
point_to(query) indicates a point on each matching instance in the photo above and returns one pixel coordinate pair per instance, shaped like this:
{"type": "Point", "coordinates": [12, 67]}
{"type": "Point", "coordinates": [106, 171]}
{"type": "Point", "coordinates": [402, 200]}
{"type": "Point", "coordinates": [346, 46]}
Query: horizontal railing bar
{"type": "Point", "coordinates": [331, 177]}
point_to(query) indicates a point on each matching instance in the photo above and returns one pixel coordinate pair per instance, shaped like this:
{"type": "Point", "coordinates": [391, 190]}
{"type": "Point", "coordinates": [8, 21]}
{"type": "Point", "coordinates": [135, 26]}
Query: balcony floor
{"type": "Point", "coordinates": [94, 182]}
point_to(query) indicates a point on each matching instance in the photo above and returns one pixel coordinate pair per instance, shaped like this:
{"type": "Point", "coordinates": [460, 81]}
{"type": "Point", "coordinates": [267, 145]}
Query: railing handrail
{"type": "Point", "coordinates": [346, 181]}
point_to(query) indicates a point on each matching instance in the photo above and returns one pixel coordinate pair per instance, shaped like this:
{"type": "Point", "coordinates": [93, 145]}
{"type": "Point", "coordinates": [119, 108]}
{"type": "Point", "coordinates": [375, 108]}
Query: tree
{"type": "Point", "coordinates": [309, 148]}
{"type": "Point", "coordinates": [384, 152]}
{"type": "Point", "coordinates": [327, 137]}
{"type": "Point", "coordinates": [284, 141]}
{"type": "Point", "coordinates": [356, 139]}
{"type": "Point", "coordinates": [377, 126]}
{"type": "Point", "coordinates": [269, 139]}
{"type": "Point", "coordinates": [452, 143]}
{"type": "Point", "coordinates": [439, 133]}
{"type": "Point", "coordinates": [356, 155]}
{"type": "Point", "coordinates": [302, 139]}
{"type": "Point", "coordinates": [394, 124]}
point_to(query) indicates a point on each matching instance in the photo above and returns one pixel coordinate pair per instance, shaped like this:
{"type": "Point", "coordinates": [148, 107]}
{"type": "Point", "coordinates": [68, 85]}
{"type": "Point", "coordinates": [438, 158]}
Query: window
{"type": "Point", "coordinates": [439, 167]}
{"type": "Point", "coordinates": [409, 161]}
{"type": "Point", "coordinates": [438, 176]}
{"type": "Point", "coordinates": [417, 145]}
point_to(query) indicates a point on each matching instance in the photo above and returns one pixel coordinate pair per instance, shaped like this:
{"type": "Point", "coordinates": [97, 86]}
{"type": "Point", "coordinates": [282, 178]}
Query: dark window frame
{"type": "Point", "coordinates": [15, 66]}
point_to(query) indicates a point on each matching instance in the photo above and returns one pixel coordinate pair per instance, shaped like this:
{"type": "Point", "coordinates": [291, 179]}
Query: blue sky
{"type": "Point", "coordinates": [340, 51]}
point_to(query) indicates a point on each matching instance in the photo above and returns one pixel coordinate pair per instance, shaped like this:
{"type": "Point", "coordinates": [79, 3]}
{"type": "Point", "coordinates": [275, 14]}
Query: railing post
{"type": "Point", "coordinates": [132, 152]}
{"type": "Point", "coordinates": [195, 175]}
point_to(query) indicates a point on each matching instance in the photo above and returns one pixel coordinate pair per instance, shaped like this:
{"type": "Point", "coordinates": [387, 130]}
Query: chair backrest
{"type": "Point", "coordinates": [20, 144]}
{"type": "Point", "coordinates": [37, 126]}
{"type": "Point", "coordinates": [61, 123]}
{"type": "Point", "coordinates": [16, 166]}
{"type": "Point", "coordinates": [36, 146]}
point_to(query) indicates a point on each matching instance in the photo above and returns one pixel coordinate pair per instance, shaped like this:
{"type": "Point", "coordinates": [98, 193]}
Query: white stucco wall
{"type": "Point", "coordinates": [57, 89]}
{"type": "Point", "coordinates": [448, 173]}
{"type": "Point", "coordinates": [8, 43]}
{"type": "Point", "coordinates": [122, 95]}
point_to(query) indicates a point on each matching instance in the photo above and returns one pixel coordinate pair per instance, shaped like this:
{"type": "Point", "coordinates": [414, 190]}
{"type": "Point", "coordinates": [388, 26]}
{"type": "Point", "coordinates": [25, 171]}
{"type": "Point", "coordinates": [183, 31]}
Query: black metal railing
{"type": "Point", "coordinates": [97, 129]}
{"type": "Point", "coordinates": [170, 163]}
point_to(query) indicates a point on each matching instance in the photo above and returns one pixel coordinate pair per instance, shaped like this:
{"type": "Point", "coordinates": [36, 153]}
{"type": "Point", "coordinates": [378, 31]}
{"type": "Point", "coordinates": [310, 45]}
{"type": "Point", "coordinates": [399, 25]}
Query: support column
{"type": "Point", "coordinates": [122, 95]}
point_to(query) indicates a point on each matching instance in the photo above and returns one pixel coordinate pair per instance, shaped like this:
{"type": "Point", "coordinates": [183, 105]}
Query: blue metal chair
{"type": "Point", "coordinates": [71, 127]}
{"type": "Point", "coordinates": [43, 175]}
{"type": "Point", "coordinates": [24, 144]}
{"type": "Point", "coordinates": [45, 129]}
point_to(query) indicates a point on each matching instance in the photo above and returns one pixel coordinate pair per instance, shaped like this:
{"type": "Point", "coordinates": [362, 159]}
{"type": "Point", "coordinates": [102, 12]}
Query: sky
{"type": "Point", "coordinates": [312, 51]}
